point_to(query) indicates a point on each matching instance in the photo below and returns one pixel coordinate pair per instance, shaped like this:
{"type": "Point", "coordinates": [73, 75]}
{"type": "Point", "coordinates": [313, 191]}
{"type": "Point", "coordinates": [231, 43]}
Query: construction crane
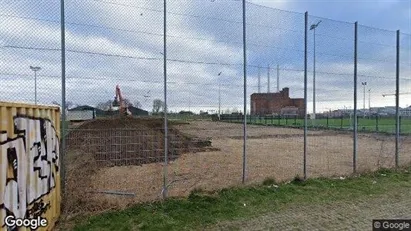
{"type": "Point", "coordinates": [404, 93]}
{"type": "Point", "coordinates": [120, 103]}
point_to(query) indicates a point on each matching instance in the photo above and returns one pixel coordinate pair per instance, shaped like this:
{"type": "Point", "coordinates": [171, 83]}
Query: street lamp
{"type": "Point", "coordinates": [35, 69]}
{"type": "Point", "coordinates": [364, 84]}
{"type": "Point", "coordinates": [313, 27]}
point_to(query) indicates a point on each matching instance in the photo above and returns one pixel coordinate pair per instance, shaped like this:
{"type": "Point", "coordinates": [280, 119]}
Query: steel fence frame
{"type": "Point", "coordinates": [244, 165]}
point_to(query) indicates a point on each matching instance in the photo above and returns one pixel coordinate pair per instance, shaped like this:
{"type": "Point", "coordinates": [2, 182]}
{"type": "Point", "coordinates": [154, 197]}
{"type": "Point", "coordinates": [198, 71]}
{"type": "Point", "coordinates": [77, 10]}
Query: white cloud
{"type": "Point", "coordinates": [91, 78]}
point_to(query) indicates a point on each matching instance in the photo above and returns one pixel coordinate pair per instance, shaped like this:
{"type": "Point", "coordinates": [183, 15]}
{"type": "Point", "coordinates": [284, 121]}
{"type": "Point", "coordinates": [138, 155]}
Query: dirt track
{"type": "Point", "coordinates": [271, 152]}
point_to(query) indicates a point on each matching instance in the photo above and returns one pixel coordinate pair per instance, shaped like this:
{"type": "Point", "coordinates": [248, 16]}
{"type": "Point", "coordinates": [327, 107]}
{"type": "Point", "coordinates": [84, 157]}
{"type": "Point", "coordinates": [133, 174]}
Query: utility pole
{"type": "Point", "coordinates": [35, 69]}
{"type": "Point", "coordinates": [268, 79]}
{"type": "Point", "coordinates": [278, 78]}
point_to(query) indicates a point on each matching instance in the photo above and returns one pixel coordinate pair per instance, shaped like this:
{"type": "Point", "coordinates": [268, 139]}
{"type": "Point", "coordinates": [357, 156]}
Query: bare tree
{"type": "Point", "coordinates": [158, 106]}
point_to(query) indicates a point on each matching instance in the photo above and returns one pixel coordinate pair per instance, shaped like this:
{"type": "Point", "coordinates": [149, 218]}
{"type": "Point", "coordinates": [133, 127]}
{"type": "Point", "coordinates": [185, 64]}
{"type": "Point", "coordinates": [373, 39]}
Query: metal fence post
{"type": "Point", "coordinates": [245, 88]}
{"type": "Point", "coordinates": [355, 99]}
{"type": "Point", "coordinates": [397, 102]}
{"type": "Point", "coordinates": [328, 123]}
{"type": "Point", "coordinates": [164, 192]}
{"type": "Point", "coordinates": [305, 95]}
{"type": "Point", "coordinates": [63, 99]}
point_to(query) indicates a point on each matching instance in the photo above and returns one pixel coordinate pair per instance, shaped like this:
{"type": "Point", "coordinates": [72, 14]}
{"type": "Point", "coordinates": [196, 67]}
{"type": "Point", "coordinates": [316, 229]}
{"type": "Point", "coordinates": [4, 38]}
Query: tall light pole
{"type": "Point", "coordinates": [313, 27]}
{"type": "Point", "coordinates": [364, 84]}
{"type": "Point", "coordinates": [35, 69]}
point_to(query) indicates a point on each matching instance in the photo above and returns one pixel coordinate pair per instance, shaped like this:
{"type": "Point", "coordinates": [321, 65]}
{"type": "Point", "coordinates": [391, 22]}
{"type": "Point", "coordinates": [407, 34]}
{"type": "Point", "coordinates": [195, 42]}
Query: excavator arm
{"type": "Point", "coordinates": [404, 93]}
{"type": "Point", "coordinates": [119, 101]}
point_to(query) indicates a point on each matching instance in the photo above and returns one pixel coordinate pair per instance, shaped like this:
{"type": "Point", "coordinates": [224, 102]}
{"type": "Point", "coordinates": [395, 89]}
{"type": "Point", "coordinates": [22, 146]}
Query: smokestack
{"type": "Point", "coordinates": [259, 79]}
{"type": "Point", "coordinates": [268, 79]}
{"type": "Point", "coordinates": [278, 78]}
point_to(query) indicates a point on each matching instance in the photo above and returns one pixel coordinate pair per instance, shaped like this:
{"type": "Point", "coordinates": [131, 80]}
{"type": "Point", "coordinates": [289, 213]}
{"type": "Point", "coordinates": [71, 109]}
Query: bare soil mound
{"type": "Point", "coordinates": [131, 141]}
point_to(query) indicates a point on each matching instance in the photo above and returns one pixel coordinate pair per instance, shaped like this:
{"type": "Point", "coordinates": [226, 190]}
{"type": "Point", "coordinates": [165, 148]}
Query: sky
{"type": "Point", "coordinates": [121, 42]}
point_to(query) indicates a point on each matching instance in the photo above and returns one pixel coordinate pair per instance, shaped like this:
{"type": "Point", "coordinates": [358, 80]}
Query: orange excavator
{"type": "Point", "coordinates": [120, 103]}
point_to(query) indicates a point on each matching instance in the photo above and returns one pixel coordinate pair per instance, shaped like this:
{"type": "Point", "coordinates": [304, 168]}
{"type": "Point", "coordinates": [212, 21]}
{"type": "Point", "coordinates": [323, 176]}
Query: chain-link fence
{"type": "Point", "coordinates": [121, 74]}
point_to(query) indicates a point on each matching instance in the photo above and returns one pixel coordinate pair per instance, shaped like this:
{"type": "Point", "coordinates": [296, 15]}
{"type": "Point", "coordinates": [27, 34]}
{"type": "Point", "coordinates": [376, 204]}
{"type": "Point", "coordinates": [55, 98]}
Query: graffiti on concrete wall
{"type": "Point", "coordinates": [28, 167]}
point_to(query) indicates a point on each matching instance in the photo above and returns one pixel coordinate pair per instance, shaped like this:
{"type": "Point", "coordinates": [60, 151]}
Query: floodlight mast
{"type": "Point", "coordinates": [35, 69]}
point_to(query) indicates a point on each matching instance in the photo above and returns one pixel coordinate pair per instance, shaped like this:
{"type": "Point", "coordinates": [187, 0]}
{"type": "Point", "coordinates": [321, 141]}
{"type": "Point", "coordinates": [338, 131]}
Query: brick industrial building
{"type": "Point", "coordinates": [278, 103]}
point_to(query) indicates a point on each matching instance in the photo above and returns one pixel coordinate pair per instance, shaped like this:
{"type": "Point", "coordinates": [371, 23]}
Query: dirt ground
{"type": "Point", "coordinates": [272, 152]}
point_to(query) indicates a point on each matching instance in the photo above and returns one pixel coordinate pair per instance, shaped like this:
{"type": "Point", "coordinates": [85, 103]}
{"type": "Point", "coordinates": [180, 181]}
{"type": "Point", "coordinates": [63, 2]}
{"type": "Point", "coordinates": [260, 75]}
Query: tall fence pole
{"type": "Point", "coordinates": [165, 104]}
{"type": "Point", "coordinates": [355, 99]}
{"type": "Point", "coordinates": [305, 95]}
{"type": "Point", "coordinates": [245, 89]}
{"type": "Point", "coordinates": [63, 98]}
{"type": "Point", "coordinates": [397, 104]}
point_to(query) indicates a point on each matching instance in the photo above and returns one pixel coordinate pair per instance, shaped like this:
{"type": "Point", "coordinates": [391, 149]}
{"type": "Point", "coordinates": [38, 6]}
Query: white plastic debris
{"type": "Point", "coordinates": [374, 182]}
{"type": "Point", "coordinates": [342, 178]}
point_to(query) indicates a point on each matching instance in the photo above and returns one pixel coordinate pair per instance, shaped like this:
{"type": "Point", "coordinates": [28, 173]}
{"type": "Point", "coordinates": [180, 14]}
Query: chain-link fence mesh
{"type": "Point", "coordinates": [376, 77]}
{"type": "Point", "coordinates": [405, 98]}
{"type": "Point", "coordinates": [116, 150]}
{"type": "Point", "coordinates": [119, 44]}
{"type": "Point", "coordinates": [30, 55]}
{"type": "Point", "coordinates": [204, 70]}
{"type": "Point", "coordinates": [275, 79]}
{"type": "Point", "coordinates": [330, 97]}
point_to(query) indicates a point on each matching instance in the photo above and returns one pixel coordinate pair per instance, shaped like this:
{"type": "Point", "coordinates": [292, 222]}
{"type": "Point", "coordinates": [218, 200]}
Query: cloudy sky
{"type": "Point", "coordinates": [112, 42]}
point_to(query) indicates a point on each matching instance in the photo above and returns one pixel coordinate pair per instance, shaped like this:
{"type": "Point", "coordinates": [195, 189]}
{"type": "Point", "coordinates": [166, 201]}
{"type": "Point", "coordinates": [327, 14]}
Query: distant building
{"type": "Point", "coordinates": [406, 112]}
{"type": "Point", "coordinates": [278, 103]}
{"type": "Point", "coordinates": [81, 113]}
{"type": "Point", "coordinates": [86, 112]}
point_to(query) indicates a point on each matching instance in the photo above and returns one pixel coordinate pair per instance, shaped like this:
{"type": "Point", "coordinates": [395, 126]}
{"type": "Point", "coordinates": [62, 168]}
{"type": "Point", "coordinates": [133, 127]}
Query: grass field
{"type": "Point", "coordinates": [383, 125]}
{"type": "Point", "coordinates": [205, 210]}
